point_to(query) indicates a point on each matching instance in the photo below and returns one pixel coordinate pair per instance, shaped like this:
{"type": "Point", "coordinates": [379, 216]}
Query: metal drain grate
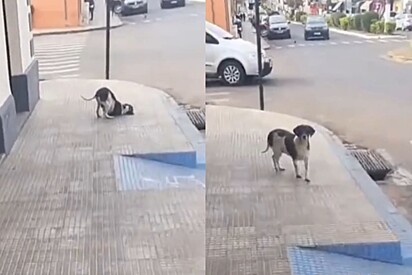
{"type": "Point", "coordinates": [197, 117]}
{"type": "Point", "coordinates": [373, 163]}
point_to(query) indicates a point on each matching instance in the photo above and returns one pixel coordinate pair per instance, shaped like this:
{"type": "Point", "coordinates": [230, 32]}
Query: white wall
{"type": "Point", "coordinates": [25, 33]}
{"type": "Point", "coordinates": [5, 91]}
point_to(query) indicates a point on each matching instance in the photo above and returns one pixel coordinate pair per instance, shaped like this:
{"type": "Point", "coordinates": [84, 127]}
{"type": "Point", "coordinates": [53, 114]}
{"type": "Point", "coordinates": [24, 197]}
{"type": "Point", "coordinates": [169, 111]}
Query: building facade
{"type": "Point", "coordinates": [219, 12]}
{"type": "Point", "coordinates": [51, 14]}
{"type": "Point", "coordinates": [19, 72]}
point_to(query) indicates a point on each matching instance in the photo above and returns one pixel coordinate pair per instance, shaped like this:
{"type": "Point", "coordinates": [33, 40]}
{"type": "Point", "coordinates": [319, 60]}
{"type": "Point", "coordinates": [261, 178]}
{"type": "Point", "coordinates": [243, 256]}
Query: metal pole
{"type": "Point", "coordinates": [259, 54]}
{"type": "Point", "coordinates": [108, 16]}
{"type": "Point", "coordinates": [7, 44]}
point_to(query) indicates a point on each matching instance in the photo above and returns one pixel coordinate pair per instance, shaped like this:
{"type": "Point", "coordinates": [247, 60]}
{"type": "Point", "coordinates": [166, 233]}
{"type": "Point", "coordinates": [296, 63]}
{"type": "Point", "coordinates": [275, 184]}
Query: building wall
{"type": "Point", "coordinates": [49, 14]}
{"type": "Point", "coordinates": [5, 91]}
{"type": "Point", "coordinates": [218, 12]}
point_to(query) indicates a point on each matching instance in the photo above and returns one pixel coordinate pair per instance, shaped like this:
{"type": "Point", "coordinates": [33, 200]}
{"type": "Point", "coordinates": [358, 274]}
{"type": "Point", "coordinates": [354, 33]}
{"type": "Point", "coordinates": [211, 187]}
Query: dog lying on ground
{"type": "Point", "coordinates": [111, 106]}
{"type": "Point", "coordinates": [296, 145]}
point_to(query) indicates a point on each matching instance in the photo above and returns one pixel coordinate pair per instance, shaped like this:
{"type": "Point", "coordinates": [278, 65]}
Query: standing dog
{"type": "Point", "coordinates": [111, 106]}
{"type": "Point", "coordinates": [296, 145]}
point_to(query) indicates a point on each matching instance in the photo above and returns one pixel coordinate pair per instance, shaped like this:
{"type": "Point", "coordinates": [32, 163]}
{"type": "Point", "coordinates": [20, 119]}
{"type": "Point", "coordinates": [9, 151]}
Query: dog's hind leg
{"type": "Point", "coordinates": [306, 160]}
{"type": "Point", "coordinates": [106, 114]}
{"type": "Point", "coordinates": [295, 165]}
{"type": "Point", "coordinates": [275, 162]}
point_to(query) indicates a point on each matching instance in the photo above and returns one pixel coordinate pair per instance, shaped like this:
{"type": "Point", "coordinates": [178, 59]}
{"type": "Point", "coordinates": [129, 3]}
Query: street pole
{"type": "Point", "coordinates": [108, 16]}
{"type": "Point", "coordinates": [259, 54]}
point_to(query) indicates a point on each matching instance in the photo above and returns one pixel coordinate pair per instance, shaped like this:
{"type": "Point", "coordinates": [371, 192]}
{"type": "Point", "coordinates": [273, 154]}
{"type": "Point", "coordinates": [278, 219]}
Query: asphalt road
{"type": "Point", "coordinates": [162, 50]}
{"type": "Point", "coordinates": [348, 87]}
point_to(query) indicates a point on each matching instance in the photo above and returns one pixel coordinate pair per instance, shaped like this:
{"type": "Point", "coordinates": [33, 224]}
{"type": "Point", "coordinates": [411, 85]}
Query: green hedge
{"type": "Point", "coordinates": [367, 20]}
{"type": "Point", "coordinates": [351, 23]}
{"type": "Point", "coordinates": [298, 16]}
{"type": "Point", "coordinates": [357, 22]}
{"type": "Point", "coordinates": [344, 23]}
{"type": "Point", "coordinates": [390, 27]}
{"type": "Point", "coordinates": [336, 18]}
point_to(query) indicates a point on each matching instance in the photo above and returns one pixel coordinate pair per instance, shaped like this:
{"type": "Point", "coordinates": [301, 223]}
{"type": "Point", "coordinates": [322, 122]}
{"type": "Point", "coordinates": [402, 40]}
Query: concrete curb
{"type": "Point", "coordinates": [77, 30]}
{"type": "Point", "coordinates": [360, 35]}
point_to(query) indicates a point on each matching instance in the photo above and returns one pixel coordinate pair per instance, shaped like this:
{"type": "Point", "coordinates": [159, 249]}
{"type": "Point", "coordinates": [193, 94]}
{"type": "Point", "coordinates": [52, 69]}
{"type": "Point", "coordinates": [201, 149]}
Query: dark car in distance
{"type": "Point", "coordinates": [316, 27]}
{"type": "Point", "coordinates": [172, 3]}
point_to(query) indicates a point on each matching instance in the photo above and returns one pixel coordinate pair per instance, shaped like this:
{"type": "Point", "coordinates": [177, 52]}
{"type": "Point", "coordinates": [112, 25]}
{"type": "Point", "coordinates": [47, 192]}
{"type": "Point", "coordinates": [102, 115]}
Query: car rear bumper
{"type": "Point", "coordinates": [173, 3]}
{"type": "Point", "coordinates": [316, 33]}
{"type": "Point", "coordinates": [127, 10]}
{"type": "Point", "coordinates": [278, 34]}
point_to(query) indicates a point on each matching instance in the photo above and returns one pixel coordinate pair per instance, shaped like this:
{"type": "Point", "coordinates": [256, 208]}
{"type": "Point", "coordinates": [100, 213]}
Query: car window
{"type": "Point", "coordinates": [219, 32]}
{"type": "Point", "coordinates": [315, 20]}
{"type": "Point", "coordinates": [277, 19]}
{"type": "Point", "coordinates": [210, 39]}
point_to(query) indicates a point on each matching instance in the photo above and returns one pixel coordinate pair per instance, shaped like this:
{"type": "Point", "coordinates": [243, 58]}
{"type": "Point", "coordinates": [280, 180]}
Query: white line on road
{"type": "Point", "coordinates": [50, 68]}
{"type": "Point", "coordinates": [370, 41]}
{"type": "Point", "coordinates": [346, 42]}
{"type": "Point", "coordinates": [301, 45]}
{"type": "Point", "coordinates": [38, 44]}
{"type": "Point", "coordinates": [61, 47]}
{"type": "Point", "coordinates": [70, 76]}
{"type": "Point", "coordinates": [54, 56]}
{"type": "Point", "coordinates": [58, 63]}
{"type": "Point", "coordinates": [37, 51]}
{"type": "Point", "coordinates": [278, 48]}
{"type": "Point", "coordinates": [61, 71]}
{"type": "Point", "coordinates": [333, 43]}
{"type": "Point", "coordinates": [146, 21]}
{"type": "Point", "coordinates": [291, 46]}
{"type": "Point", "coordinates": [383, 41]}
{"type": "Point", "coordinates": [219, 100]}
{"type": "Point", "coordinates": [217, 94]}
{"type": "Point", "coordinates": [357, 42]}
{"type": "Point", "coordinates": [61, 60]}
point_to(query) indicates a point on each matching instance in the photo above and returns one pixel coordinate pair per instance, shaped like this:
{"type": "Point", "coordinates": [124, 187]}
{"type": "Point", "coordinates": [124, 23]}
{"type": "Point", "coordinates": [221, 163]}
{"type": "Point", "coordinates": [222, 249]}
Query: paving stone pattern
{"type": "Point", "coordinates": [253, 215]}
{"type": "Point", "coordinates": [60, 209]}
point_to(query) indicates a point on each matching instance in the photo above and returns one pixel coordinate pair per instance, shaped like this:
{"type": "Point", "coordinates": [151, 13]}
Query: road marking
{"type": "Point", "coordinates": [301, 45]}
{"type": "Point", "coordinates": [70, 76]}
{"type": "Point", "coordinates": [357, 42]}
{"type": "Point", "coordinates": [58, 51]}
{"type": "Point", "coordinates": [218, 94]}
{"type": "Point", "coordinates": [219, 100]}
{"type": "Point", "coordinates": [321, 44]}
{"type": "Point", "coordinates": [61, 71]}
{"type": "Point", "coordinates": [370, 41]}
{"type": "Point", "coordinates": [146, 21]}
{"type": "Point", "coordinates": [291, 46]}
{"type": "Point", "coordinates": [383, 41]}
{"type": "Point", "coordinates": [278, 48]}
{"type": "Point", "coordinates": [53, 56]}
{"type": "Point", "coordinates": [346, 42]}
{"type": "Point", "coordinates": [194, 14]}
{"type": "Point", "coordinates": [48, 68]}
{"type": "Point", "coordinates": [61, 59]}
{"type": "Point", "coordinates": [333, 43]}
{"type": "Point", "coordinates": [58, 48]}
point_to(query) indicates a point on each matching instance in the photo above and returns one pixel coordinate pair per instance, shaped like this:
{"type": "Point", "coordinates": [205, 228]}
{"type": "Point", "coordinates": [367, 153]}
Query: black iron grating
{"type": "Point", "coordinates": [373, 163]}
{"type": "Point", "coordinates": [197, 117]}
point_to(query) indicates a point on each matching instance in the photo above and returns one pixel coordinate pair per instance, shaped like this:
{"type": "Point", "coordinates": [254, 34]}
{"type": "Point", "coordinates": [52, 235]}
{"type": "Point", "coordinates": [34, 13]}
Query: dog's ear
{"type": "Point", "coordinates": [310, 130]}
{"type": "Point", "coordinates": [298, 130]}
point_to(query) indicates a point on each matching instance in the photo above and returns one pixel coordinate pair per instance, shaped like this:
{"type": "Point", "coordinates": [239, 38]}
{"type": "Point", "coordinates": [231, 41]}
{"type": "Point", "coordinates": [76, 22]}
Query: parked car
{"type": "Point", "coordinates": [130, 7]}
{"type": "Point", "coordinates": [316, 27]}
{"type": "Point", "coordinates": [231, 59]}
{"type": "Point", "coordinates": [278, 27]}
{"type": "Point", "coordinates": [172, 3]}
{"type": "Point", "coordinates": [403, 22]}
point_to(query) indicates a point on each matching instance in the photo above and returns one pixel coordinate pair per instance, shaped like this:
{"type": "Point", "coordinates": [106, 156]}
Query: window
{"type": "Point", "coordinates": [30, 22]}
{"type": "Point", "coordinates": [210, 39]}
{"type": "Point", "coordinates": [31, 48]}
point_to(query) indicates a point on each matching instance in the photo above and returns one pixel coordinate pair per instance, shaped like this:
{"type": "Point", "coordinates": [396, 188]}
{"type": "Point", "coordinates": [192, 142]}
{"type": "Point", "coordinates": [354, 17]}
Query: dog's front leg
{"type": "Point", "coordinates": [295, 165]}
{"type": "Point", "coordinates": [106, 114]}
{"type": "Point", "coordinates": [98, 110]}
{"type": "Point", "coordinates": [306, 160]}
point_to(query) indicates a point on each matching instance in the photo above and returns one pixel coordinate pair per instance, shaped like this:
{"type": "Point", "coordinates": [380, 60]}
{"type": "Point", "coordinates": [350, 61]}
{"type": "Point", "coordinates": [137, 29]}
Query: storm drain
{"type": "Point", "coordinates": [372, 162]}
{"type": "Point", "coordinates": [197, 117]}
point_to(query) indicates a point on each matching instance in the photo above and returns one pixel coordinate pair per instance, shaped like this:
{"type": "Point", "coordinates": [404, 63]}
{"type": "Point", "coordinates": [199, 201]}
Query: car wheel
{"type": "Point", "coordinates": [162, 5]}
{"type": "Point", "coordinates": [183, 3]}
{"type": "Point", "coordinates": [327, 36]}
{"type": "Point", "coordinates": [145, 10]}
{"type": "Point", "coordinates": [232, 73]}
{"type": "Point", "coordinates": [289, 36]}
{"type": "Point", "coordinates": [306, 37]}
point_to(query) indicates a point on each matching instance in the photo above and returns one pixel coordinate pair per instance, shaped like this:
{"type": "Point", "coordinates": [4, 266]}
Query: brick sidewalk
{"type": "Point", "coordinates": [62, 210]}
{"type": "Point", "coordinates": [254, 217]}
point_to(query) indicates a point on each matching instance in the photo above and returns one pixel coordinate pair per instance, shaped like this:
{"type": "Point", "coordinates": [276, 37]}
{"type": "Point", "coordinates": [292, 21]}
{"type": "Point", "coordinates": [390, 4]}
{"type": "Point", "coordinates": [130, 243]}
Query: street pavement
{"type": "Point", "coordinates": [76, 198]}
{"type": "Point", "coordinates": [58, 57]}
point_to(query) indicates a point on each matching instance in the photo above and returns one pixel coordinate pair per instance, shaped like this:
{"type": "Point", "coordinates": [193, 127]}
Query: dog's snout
{"type": "Point", "coordinates": [304, 136]}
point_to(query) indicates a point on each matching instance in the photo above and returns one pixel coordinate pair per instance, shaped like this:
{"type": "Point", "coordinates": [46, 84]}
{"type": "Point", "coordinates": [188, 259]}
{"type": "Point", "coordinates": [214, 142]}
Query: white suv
{"type": "Point", "coordinates": [231, 59]}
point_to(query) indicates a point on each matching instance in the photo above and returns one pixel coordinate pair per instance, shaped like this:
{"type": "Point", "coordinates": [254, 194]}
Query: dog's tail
{"type": "Point", "coordinates": [88, 99]}
{"type": "Point", "coordinates": [267, 148]}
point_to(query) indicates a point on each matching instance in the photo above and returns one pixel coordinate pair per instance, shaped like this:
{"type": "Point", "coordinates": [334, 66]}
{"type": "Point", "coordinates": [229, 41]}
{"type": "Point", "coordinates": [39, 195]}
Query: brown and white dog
{"type": "Point", "coordinates": [111, 106]}
{"type": "Point", "coordinates": [296, 145]}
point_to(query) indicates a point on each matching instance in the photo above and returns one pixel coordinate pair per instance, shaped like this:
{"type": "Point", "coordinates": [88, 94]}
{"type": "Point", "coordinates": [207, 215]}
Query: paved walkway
{"type": "Point", "coordinates": [72, 202]}
{"type": "Point", "coordinates": [98, 23]}
{"type": "Point", "coordinates": [258, 222]}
